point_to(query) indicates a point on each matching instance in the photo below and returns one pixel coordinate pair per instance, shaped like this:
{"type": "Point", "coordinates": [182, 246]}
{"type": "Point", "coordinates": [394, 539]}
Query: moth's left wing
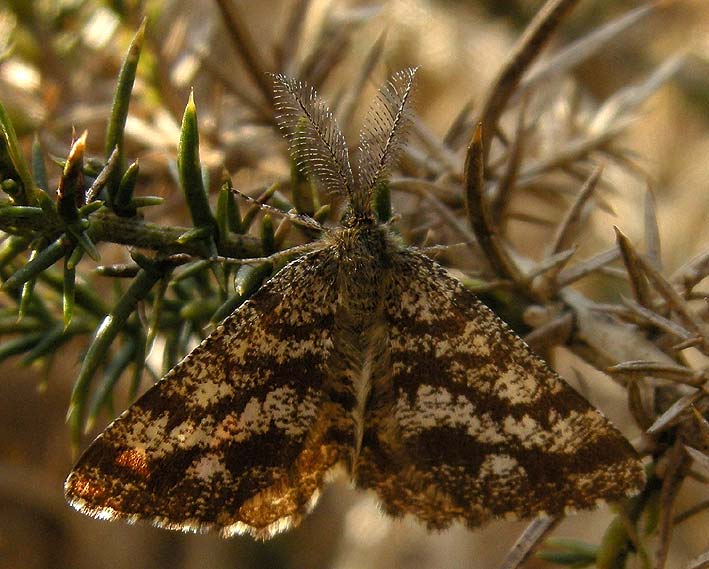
{"type": "Point", "coordinates": [470, 425]}
{"type": "Point", "coordinates": [239, 435]}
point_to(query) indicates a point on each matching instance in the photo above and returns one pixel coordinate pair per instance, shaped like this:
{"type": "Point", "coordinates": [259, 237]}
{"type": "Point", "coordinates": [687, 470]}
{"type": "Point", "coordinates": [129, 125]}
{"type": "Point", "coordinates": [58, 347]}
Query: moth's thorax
{"type": "Point", "coordinates": [364, 253]}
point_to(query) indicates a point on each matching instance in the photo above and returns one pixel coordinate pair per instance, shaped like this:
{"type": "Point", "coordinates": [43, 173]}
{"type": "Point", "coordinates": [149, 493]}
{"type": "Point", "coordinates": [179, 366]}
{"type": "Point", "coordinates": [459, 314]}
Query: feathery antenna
{"type": "Point", "coordinates": [381, 134]}
{"type": "Point", "coordinates": [316, 143]}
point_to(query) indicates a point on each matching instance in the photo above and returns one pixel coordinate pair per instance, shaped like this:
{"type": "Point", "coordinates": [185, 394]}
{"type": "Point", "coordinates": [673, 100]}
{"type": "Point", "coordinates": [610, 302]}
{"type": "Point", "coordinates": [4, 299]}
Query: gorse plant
{"type": "Point", "coordinates": [176, 282]}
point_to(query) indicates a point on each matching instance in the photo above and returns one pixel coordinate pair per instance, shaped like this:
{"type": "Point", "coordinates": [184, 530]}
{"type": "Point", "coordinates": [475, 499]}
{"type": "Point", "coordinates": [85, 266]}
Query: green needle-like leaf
{"type": "Point", "coordinates": [43, 260]}
{"type": "Point", "coordinates": [123, 202]}
{"type": "Point", "coordinates": [228, 216]}
{"type": "Point", "coordinates": [113, 372]}
{"type": "Point", "coordinates": [119, 111]}
{"type": "Point", "coordinates": [105, 334]}
{"type": "Point", "coordinates": [39, 169]}
{"type": "Point", "coordinates": [69, 289]}
{"type": "Point", "coordinates": [27, 290]}
{"type": "Point", "coordinates": [47, 346]}
{"type": "Point", "coordinates": [19, 345]}
{"type": "Point", "coordinates": [190, 170]}
{"type": "Point", "coordinates": [28, 194]}
{"type": "Point", "coordinates": [268, 238]}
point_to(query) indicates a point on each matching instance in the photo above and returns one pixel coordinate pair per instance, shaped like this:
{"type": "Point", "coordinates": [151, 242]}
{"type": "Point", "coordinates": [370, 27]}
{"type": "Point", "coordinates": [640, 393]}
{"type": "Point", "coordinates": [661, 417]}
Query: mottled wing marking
{"type": "Point", "coordinates": [237, 437]}
{"type": "Point", "coordinates": [470, 425]}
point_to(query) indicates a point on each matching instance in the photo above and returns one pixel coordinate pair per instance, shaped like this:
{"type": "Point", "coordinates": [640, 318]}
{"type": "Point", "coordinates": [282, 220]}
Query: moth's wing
{"type": "Point", "coordinates": [470, 425]}
{"type": "Point", "coordinates": [237, 437]}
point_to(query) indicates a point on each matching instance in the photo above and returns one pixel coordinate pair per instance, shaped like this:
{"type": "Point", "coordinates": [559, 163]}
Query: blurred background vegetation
{"type": "Point", "coordinates": [636, 101]}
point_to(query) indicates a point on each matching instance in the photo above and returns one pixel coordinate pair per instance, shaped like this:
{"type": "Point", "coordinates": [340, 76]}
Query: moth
{"type": "Point", "coordinates": [362, 354]}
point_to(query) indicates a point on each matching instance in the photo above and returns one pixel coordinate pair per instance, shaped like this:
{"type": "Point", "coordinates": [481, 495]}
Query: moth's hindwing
{"type": "Point", "coordinates": [470, 425]}
{"type": "Point", "coordinates": [239, 435]}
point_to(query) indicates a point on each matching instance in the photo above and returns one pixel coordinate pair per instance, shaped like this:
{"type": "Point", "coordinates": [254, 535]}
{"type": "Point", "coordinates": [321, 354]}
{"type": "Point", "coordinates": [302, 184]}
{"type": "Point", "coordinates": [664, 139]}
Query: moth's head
{"type": "Point", "coordinates": [352, 217]}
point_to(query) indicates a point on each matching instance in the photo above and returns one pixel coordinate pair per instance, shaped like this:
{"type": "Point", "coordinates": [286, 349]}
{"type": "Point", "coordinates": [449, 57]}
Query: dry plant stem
{"type": "Point", "coordinates": [134, 232]}
{"type": "Point", "coordinates": [692, 273]}
{"type": "Point", "coordinates": [508, 180]}
{"type": "Point", "coordinates": [263, 111]}
{"type": "Point", "coordinates": [528, 47]}
{"type": "Point", "coordinates": [586, 267]}
{"type": "Point", "coordinates": [690, 512]}
{"type": "Point", "coordinates": [611, 342]}
{"type": "Point", "coordinates": [552, 264]}
{"type": "Point", "coordinates": [525, 544]}
{"type": "Point", "coordinates": [633, 536]}
{"type": "Point", "coordinates": [671, 372]}
{"type": "Point", "coordinates": [647, 316]}
{"type": "Point", "coordinates": [448, 162]}
{"type": "Point", "coordinates": [103, 176]}
{"type": "Point", "coordinates": [700, 562]}
{"type": "Point", "coordinates": [349, 102]}
{"type": "Point", "coordinates": [458, 127]}
{"type": "Point", "coordinates": [573, 152]}
{"type": "Point", "coordinates": [669, 417]}
{"type": "Point", "coordinates": [652, 231]}
{"type": "Point", "coordinates": [480, 218]}
{"type": "Point", "coordinates": [446, 194]}
{"type": "Point", "coordinates": [554, 333]}
{"type": "Point", "coordinates": [677, 467]}
{"type": "Point", "coordinates": [291, 34]}
{"type": "Point", "coordinates": [638, 283]}
{"type": "Point", "coordinates": [637, 407]}
{"type": "Point", "coordinates": [582, 49]}
{"type": "Point", "coordinates": [246, 47]}
{"type": "Point", "coordinates": [569, 227]}
{"type": "Point", "coordinates": [675, 301]}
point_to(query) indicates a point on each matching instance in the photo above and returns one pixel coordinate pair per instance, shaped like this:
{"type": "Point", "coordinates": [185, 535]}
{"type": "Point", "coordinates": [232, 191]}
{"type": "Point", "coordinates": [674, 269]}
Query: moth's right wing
{"type": "Point", "coordinates": [470, 425]}
{"type": "Point", "coordinates": [238, 436]}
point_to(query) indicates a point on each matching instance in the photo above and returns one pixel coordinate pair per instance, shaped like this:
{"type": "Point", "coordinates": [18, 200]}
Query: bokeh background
{"type": "Point", "coordinates": [60, 73]}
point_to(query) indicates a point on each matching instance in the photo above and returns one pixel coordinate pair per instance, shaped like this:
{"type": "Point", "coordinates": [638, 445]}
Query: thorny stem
{"type": "Point", "coordinates": [480, 217]}
{"type": "Point", "coordinates": [108, 227]}
{"type": "Point", "coordinates": [522, 55]}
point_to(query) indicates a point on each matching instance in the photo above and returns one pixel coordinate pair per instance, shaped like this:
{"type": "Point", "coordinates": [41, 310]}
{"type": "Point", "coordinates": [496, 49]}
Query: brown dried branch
{"type": "Point", "coordinates": [671, 372]}
{"type": "Point", "coordinates": [700, 562]}
{"type": "Point", "coordinates": [553, 333]}
{"type": "Point", "coordinates": [569, 227]}
{"type": "Point", "coordinates": [670, 417]}
{"type": "Point", "coordinates": [246, 47]}
{"type": "Point", "coordinates": [527, 48]}
{"type": "Point", "coordinates": [691, 273]}
{"type": "Point", "coordinates": [573, 152]}
{"type": "Point", "coordinates": [508, 180]}
{"type": "Point", "coordinates": [638, 283]}
{"type": "Point", "coordinates": [530, 538]}
{"type": "Point", "coordinates": [677, 467]}
{"type": "Point", "coordinates": [674, 300]}
{"type": "Point", "coordinates": [586, 267]}
{"type": "Point", "coordinates": [637, 408]}
{"type": "Point", "coordinates": [582, 49]}
{"type": "Point", "coordinates": [290, 36]}
{"type": "Point", "coordinates": [480, 219]}
{"type": "Point", "coordinates": [348, 104]}
{"type": "Point", "coordinates": [645, 316]}
{"type": "Point", "coordinates": [652, 231]}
